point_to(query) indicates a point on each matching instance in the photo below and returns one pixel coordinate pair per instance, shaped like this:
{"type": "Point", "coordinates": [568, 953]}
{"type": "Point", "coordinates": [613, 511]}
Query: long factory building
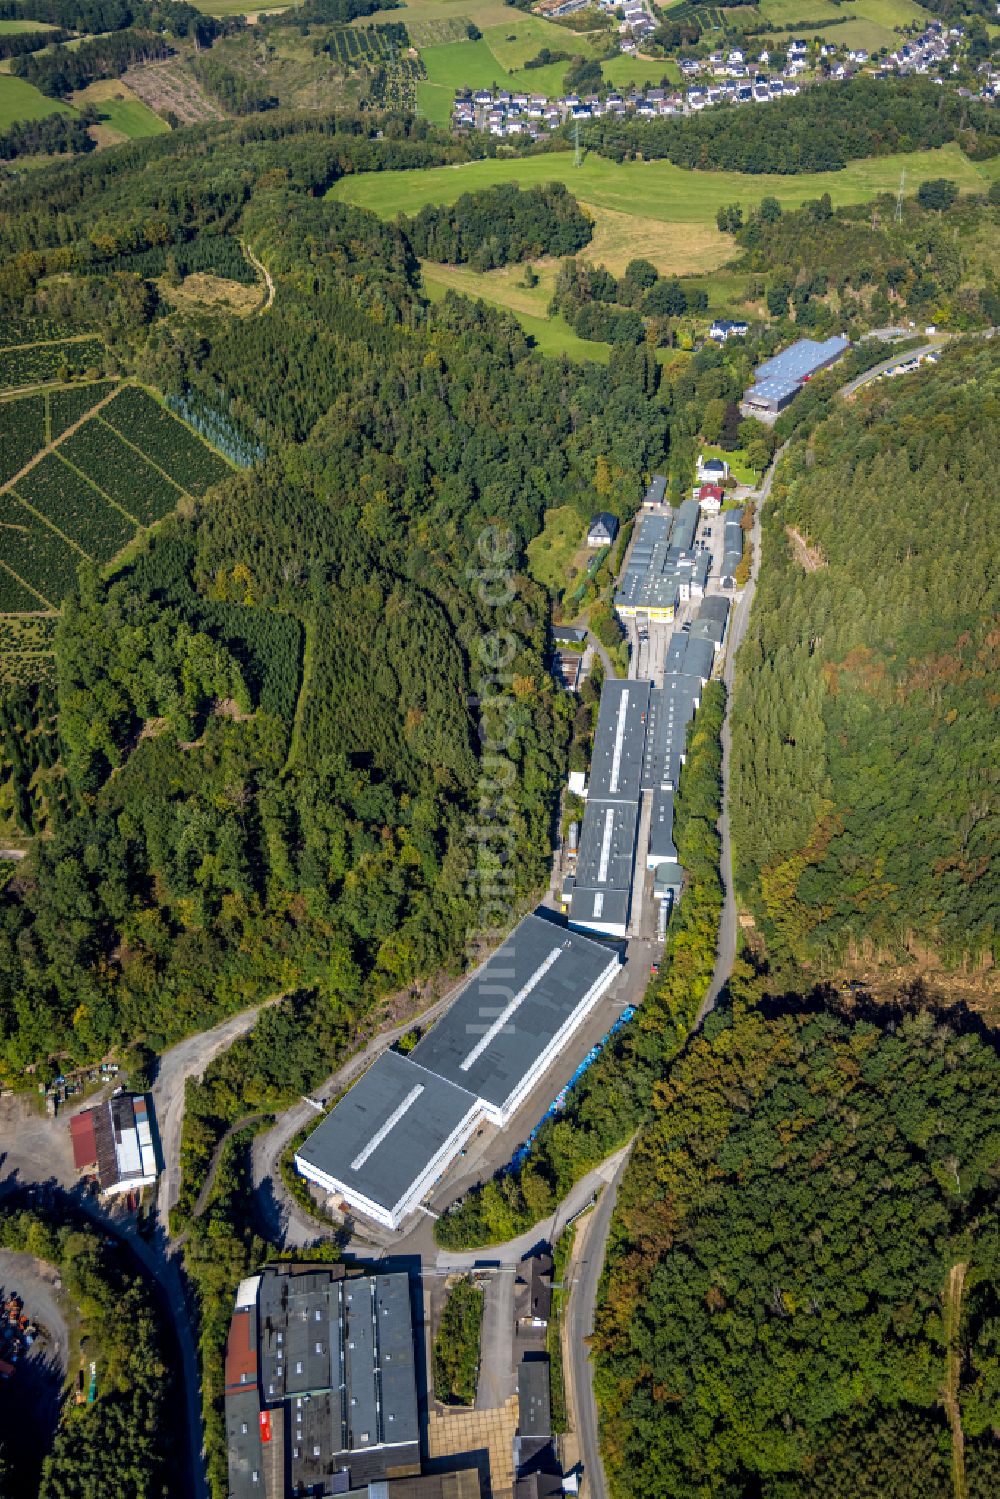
{"type": "Point", "coordinates": [394, 1133]}
{"type": "Point", "coordinates": [639, 748]}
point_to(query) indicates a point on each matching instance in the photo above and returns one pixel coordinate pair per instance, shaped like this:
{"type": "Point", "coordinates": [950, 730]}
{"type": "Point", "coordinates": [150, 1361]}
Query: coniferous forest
{"type": "Point", "coordinates": [865, 740]}
{"type": "Point", "coordinates": [268, 731]}
{"type": "Point", "coordinates": [814, 1199]}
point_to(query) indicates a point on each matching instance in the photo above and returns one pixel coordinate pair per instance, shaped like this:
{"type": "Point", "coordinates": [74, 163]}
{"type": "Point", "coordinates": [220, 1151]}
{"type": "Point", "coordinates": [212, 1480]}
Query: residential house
{"type": "Point", "coordinates": [602, 530]}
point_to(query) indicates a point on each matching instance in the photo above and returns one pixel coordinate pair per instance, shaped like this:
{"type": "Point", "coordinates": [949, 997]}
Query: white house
{"type": "Point", "coordinates": [602, 530]}
{"type": "Point", "coordinates": [712, 470]}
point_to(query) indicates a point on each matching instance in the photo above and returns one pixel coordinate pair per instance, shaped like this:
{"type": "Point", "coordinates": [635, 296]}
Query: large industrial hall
{"type": "Point", "coordinates": [393, 1134]}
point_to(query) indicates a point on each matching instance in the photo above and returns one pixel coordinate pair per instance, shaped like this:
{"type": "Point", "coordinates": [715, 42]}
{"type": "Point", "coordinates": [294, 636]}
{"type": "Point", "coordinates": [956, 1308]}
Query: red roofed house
{"type": "Point", "coordinates": [710, 499]}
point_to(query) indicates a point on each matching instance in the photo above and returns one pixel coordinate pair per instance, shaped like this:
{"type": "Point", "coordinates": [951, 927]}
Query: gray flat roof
{"type": "Point", "coordinates": [609, 908]}
{"type": "Point", "coordinates": [336, 1357]}
{"type": "Point", "coordinates": [534, 1412]}
{"type": "Point", "coordinates": [656, 491]}
{"type": "Point", "coordinates": [616, 763]}
{"type": "Point", "coordinates": [243, 1443]}
{"type": "Point", "coordinates": [388, 1127]}
{"type": "Point", "coordinates": [607, 844]}
{"type": "Point", "coordinates": [510, 1010]}
{"type": "Point", "coordinates": [715, 607]}
{"type": "Point", "coordinates": [699, 658]}
{"type": "Point", "coordinates": [801, 359]}
{"type": "Point", "coordinates": [671, 707]}
{"type": "Point", "coordinates": [661, 827]}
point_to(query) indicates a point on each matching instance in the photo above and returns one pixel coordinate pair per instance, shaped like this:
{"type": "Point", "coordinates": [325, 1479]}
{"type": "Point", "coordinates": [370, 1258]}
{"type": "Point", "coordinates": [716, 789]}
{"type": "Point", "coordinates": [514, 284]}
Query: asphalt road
{"type": "Point", "coordinates": [580, 1325]}
{"type": "Point", "coordinates": [890, 364]}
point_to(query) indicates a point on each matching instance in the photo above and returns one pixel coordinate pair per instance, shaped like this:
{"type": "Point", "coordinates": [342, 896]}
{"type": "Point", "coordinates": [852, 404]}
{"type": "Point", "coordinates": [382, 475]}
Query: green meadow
{"type": "Point", "coordinates": [22, 101]}
{"type": "Point", "coordinates": [658, 190]}
{"type": "Point", "coordinates": [132, 118]}
{"type": "Point", "coordinates": [9, 28]}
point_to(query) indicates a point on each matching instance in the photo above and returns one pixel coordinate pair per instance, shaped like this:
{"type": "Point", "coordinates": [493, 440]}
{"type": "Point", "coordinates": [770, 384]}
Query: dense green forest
{"type": "Point", "coordinates": [502, 224]}
{"type": "Point", "coordinates": [864, 752]}
{"type": "Point", "coordinates": [52, 136]}
{"type": "Point", "coordinates": [858, 264]}
{"type": "Point", "coordinates": [821, 130]}
{"type": "Point", "coordinates": [119, 1444]}
{"type": "Point", "coordinates": [613, 1097]}
{"type": "Point", "coordinates": [269, 724]}
{"type": "Point", "coordinates": [60, 70]}
{"type": "Point", "coordinates": [774, 1320]}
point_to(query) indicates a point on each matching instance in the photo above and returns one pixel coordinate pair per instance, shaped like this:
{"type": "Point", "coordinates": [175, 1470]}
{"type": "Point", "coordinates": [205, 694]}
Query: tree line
{"type": "Point", "coordinates": [500, 225]}
{"type": "Point", "coordinates": [819, 130]}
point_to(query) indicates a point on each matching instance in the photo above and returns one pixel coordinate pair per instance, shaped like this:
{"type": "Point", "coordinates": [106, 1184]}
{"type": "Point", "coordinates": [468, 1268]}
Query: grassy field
{"type": "Point", "coordinates": [655, 203]}
{"type": "Point", "coordinates": [123, 116]}
{"type": "Point", "coordinates": [736, 460]}
{"type": "Point", "coordinates": [236, 8]}
{"type": "Point", "coordinates": [22, 101]}
{"type": "Point", "coordinates": [622, 71]}
{"type": "Point", "coordinates": [8, 28]}
{"type": "Point", "coordinates": [870, 24]}
{"type": "Point", "coordinates": [550, 335]}
{"type": "Point", "coordinates": [555, 546]}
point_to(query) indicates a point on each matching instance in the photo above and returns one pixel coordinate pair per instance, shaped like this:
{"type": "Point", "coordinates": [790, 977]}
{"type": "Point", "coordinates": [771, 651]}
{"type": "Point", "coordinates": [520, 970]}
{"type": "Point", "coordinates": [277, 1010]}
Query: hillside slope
{"type": "Point", "coordinates": [864, 756]}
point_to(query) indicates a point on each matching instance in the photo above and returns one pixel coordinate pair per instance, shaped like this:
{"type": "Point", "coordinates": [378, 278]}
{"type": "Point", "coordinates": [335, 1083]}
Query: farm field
{"type": "Point", "coordinates": [22, 101]}
{"type": "Point", "coordinates": [483, 13]}
{"type": "Point", "coordinates": [25, 656]}
{"type": "Point", "coordinates": [657, 197]}
{"type": "Point", "coordinates": [91, 491]}
{"type": "Point", "coordinates": [105, 458]}
{"type": "Point", "coordinates": [123, 115]}
{"type": "Point", "coordinates": [887, 13]}
{"type": "Point", "coordinates": [20, 438]}
{"type": "Point", "coordinates": [65, 406]}
{"type": "Point", "coordinates": [72, 505]}
{"type": "Point", "coordinates": [164, 440]}
{"type": "Point", "coordinates": [32, 364]}
{"type": "Point", "coordinates": [236, 8]}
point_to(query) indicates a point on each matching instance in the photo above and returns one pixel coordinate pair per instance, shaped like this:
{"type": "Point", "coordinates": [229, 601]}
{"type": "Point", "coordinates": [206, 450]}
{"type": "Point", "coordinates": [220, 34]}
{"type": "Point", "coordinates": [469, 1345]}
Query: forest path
{"type": "Point", "coordinates": [262, 269]}
{"type": "Point", "coordinates": [952, 1298]}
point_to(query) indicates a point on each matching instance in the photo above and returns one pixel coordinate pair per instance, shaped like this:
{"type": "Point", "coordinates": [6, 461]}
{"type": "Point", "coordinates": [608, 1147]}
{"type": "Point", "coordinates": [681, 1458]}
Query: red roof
{"type": "Point", "coordinates": [81, 1132]}
{"type": "Point", "coordinates": [241, 1352]}
{"type": "Point", "coordinates": [710, 492]}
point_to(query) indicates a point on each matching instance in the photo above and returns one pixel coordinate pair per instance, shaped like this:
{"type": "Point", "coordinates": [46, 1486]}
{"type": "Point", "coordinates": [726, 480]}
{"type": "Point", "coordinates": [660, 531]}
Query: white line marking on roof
{"type": "Point", "coordinates": [388, 1127]}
